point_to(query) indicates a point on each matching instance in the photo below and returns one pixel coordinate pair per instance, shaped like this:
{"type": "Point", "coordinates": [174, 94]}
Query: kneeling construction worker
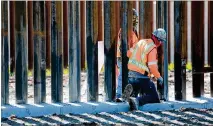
{"type": "Point", "coordinates": [143, 62]}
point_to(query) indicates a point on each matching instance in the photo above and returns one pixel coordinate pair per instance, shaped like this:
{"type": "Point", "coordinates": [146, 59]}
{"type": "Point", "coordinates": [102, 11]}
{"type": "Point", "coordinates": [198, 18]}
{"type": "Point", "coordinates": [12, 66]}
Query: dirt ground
{"type": "Point", "coordinates": [178, 117]}
{"type": "Point", "coordinates": [101, 87]}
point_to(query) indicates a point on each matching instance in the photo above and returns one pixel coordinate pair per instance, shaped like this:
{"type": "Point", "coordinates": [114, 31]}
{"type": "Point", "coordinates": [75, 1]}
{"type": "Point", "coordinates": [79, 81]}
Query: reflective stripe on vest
{"type": "Point", "coordinates": [139, 65]}
{"type": "Point", "coordinates": [146, 48]}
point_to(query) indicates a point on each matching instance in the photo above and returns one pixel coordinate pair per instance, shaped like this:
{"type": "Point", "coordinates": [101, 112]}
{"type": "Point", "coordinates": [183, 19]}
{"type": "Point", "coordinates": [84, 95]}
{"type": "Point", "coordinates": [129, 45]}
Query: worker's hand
{"type": "Point", "coordinates": [160, 81]}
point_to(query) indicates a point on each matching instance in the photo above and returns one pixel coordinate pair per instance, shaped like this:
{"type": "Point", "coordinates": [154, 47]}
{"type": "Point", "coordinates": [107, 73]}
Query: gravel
{"type": "Point", "coordinates": [175, 117]}
{"type": "Point", "coordinates": [178, 117]}
{"type": "Point", "coordinates": [101, 87]}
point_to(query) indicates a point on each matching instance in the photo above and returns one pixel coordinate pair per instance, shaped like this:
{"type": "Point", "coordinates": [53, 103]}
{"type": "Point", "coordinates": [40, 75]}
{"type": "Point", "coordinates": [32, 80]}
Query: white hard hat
{"type": "Point", "coordinates": [160, 34]}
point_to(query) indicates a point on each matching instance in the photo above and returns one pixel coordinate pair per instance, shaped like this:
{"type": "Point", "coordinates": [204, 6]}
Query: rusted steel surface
{"type": "Point", "coordinates": [65, 33]}
{"type": "Point", "coordinates": [12, 36]}
{"type": "Point", "coordinates": [118, 26]}
{"type": "Point", "coordinates": [21, 52]}
{"type": "Point", "coordinates": [159, 24]}
{"type": "Point", "coordinates": [162, 22]}
{"type": "Point", "coordinates": [39, 52]}
{"type": "Point", "coordinates": [180, 49]}
{"type": "Point", "coordinates": [146, 19]}
{"type": "Point", "coordinates": [74, 51]}
{"type": "Point", "coordinates": [4, 54]}
{"type": "Point", "coordinates": [197, 48]}
{"type": "Point", "coordinates": [129, 20]}
{"type": "Point", "coordinates": [30, 34]}
{"type": "Point", "coordinates": [92, 49]}
{"type": "Point", "coordinates": [169, 31]}
{"type": "Point", "coordinates": [210, 3]}
{"type": "Point", "coordinates": [126, 26]}
{"type": "Point", "coordinates": [56, 52]}
{"type": "Point", "coordinates": [83, 35]}
{"type": "Point", "coordinates": [109, 47]}
{"type": "Point", "coordinates": [134, 4]}
{"type": "Point", "coordinates": [100, 21]}
{"type": "Point", "coordinates": [48, 33]}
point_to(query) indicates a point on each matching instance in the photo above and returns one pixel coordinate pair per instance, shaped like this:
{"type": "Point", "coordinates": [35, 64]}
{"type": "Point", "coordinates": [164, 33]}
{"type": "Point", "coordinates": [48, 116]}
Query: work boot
{"type": "Point", "coordinates": [133, 103]}
{"type": "Point", "coordinates": [119, 100]}
{"type": "Point", "coordinates": [127, 92]}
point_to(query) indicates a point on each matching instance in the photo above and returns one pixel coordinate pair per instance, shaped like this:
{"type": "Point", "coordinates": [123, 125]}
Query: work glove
{"type": "Point", "coordinates": [160, 81]}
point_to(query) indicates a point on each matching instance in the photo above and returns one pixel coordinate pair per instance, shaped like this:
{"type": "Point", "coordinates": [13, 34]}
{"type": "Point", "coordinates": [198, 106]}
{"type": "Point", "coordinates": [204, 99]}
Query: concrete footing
{"type": "Point", "coordinates": [35, 110]}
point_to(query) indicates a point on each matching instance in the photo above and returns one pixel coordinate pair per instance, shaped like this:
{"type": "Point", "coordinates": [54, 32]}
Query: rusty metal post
{"type": "Point", "coordinates": [159, 24]}
{"type": "Point", "coordinates": [92, 49]}
{"type": "Point", "coordinates": [162, 22]}
{"type": "Point", "coordinates": [126, 26]}
{"type": "Point", "coordinates": [39, 52]}
{"type": "Point", "coordinates": [30, 34]}
{"type": "Point", "coordinates": [109, 48]}
{"type": "Point", "coordinates": [48, 33]}
{"type": "Point", "coordinates": [74, 51]}
{"type": "Point", "coordinates": [210, 35]}
{"type": "Point", "coordinates": [83, 36]}
{"type": "Point", "coordinates": [180, 49]}
{"type": "Point", "coordinates": [100, 21]}
{"type": "Point", "coordinates": [146, 19]}
{"type": "Point", "coordinates": [197, 48]}
{"type": "Point", "coordinates": [4, 54]}
{"type": "Point", "coordinates": [134, 5]}
{"type": "Point", "coordinates": [12, 36]}
{"type": "Point", "coordinates": [21, 52]}
{"type": "Point", "coordinates": [56, 52]}
{"type": "Point", "coordinates": [65, 33]}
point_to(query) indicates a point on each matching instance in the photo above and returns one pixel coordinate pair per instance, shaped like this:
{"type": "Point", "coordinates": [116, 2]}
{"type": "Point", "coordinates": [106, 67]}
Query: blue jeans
{"type": "Point", "coordinates": [144, 86]}
{"type": "Point", "coordinates": [119, 87]}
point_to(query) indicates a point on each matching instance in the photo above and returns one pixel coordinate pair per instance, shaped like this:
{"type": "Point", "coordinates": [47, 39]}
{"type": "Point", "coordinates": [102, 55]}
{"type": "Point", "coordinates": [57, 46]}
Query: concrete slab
{"type": "Point", "coordinates": [35, 110]}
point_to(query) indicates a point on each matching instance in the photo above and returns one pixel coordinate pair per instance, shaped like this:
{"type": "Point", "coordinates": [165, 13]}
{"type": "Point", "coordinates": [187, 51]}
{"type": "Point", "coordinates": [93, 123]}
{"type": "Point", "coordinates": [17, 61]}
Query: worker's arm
{"type": "Point", "coordinates": [129, 52]}
{"type": "Point", "coordinates": [152, 63]}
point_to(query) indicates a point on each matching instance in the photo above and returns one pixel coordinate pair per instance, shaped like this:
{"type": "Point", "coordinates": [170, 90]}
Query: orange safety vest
{"type": "Point", "coordinates": [138, 58]}
{"type": "Point", "coordinates": [131, 43]}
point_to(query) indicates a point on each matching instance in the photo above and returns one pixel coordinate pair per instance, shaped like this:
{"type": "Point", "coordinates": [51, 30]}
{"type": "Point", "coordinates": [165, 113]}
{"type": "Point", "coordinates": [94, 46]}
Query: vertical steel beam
{"type": "Point", "coordinates": [197, 48]}
{"type": "Point", "coordinates": [134, 4]}
{"type": "Point", "coordinates": [206, 46]}
{"type": "Point", "coordinates": [210, 35]}
{"type": "Point", "coordinates": [118, 17]}
{"type": "Point", "coordinates": [100, 21]}
{"type": "Point", "coordinates": [129, 23]}
{"type": "Point", "coordinates": [126, 22]}
{"type": "Point", "coordinates": [83, 36]}
{"type": "Point", "coordinates": [56, 52]}
{"type": "Point", "coordinates": [118, 26]}
{"type": "Point", "coordinates": [12, 36]}
{"type": "Point", "coordinates": [39, 52]}
{"type": "Point", "coordinates": [146, 19]}
{"type": "Point", "coordinates": [43, 52]}
{"type": "Point", "coordinates": [162, 22]}
{"type": "Point", "coordinates": [4, 54]}
{"type": "Point", "coordinates": [21, 52]}
{"type": "Point", "coordinates": [48, 33]}
{"type": "Point", "coordinates": [74, 51]}
{"type": "Point", "coordinates": [109, 50]}
{"type": "Point", "coordinates": [30, 34]}
{"type": "Point", "coordinates": [92, 49]}
{"type": "Point", "coordinates": [180, 49]}
{"type": "Point", "coordinates": [165, 51]}
{"type": "Point", "coordinates": [65, 33]}
{"type": "Point", "coordinates": [171, 31]}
